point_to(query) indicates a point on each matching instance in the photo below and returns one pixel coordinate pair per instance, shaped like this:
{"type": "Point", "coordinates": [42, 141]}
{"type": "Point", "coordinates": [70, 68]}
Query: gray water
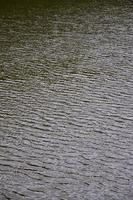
{"type": "Point", "coordinates": [66, 100]}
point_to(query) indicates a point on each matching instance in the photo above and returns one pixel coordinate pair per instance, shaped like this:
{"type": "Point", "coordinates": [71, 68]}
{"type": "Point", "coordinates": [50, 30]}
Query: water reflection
{"type": "Point", "coordinates": [66, 99]}
{"type": "Point", "coordinates": [43, 39]}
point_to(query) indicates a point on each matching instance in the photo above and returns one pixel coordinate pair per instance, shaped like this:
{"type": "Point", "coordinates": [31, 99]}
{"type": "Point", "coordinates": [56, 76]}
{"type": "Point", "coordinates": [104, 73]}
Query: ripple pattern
{"type": "Point", "coordinates": [66, 103]}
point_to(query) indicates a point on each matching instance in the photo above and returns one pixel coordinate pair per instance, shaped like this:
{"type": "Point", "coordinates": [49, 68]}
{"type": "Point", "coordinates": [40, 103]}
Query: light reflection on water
{"type": "Point", "coordinates": [66, 107]}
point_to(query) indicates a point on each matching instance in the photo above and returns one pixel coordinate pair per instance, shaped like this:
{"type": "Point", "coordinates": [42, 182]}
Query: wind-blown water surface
{"type": "Point", "coordinates": [66, 100]}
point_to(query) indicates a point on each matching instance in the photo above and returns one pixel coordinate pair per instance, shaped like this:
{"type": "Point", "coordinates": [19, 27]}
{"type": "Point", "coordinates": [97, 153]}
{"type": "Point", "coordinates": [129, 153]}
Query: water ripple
{"type": "Point", "coordinates": [66, 93]}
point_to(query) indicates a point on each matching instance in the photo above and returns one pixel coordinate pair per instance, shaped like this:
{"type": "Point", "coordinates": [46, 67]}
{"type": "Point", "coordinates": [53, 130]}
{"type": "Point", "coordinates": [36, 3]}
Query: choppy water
{"type": "Point", "coordinates": [66, 101]}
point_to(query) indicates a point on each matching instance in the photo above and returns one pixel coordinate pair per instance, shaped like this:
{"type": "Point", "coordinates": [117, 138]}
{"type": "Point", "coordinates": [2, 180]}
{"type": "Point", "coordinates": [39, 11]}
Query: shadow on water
{"type": "Point", "coordinates": [40, 38]}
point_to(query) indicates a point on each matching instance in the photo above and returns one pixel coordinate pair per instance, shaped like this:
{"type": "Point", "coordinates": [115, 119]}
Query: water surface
{"type": "Point", "coordinates": [66, 93]}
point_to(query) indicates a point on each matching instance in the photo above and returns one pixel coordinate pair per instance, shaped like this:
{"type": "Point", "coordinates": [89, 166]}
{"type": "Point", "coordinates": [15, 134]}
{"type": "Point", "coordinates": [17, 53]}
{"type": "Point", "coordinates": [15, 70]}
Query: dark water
{"type": "Point", "coordinates": [66, 100]}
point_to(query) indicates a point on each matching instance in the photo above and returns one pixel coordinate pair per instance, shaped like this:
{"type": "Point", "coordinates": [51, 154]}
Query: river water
{"type": "Point", "coordinates": [66, 100]}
